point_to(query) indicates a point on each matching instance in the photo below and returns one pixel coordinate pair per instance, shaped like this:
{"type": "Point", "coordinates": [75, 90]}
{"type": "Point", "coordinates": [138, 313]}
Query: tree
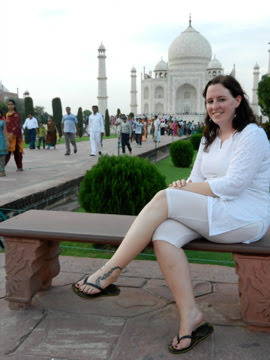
{"type": "Point", "coordinates": [107, 123]}
{"type": "Point", "coordinates": [80, 122]}
{"type": "Point", "coordinates": [3, 107]}
{"type": "Point", "coordinates": [28, 106]}
{"type": "Point", "coordinates": [264, 95]}
{"type": "Point", "coordinates": [40, 114]}
{"type": "Point", "coordinates": [57, 114]}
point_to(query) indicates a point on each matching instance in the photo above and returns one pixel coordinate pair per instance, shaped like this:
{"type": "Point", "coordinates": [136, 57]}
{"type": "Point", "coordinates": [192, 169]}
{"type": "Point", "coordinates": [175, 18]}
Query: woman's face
{"type": "Point", "coordinates": [10, 106]}
{"type": "Point", "coordinates": [220, 104]}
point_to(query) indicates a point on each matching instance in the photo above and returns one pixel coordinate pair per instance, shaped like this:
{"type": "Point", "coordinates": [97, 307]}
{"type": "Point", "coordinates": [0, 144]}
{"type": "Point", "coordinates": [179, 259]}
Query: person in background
{"type": "Point", "coordinates": [95, 130]}
{"type": "Point", "coordinates": [157, 130]}
{"type": "Point", "coordinates": [14, 135]}
{"type": "Point", "coordinates": [125, 131]}
{"type": "Point", "coordinates": [69, 122]}
{"type": "Point", "coordinates": [51, 134]}
{"type": "Point", "coordinates": [31, 125]}
{"type": "Point", "coordinates": [138, 131]}
{"type": "Point", "coordinates": [41, 136]}
{"type": "Point", "coordinates": [3, 144]}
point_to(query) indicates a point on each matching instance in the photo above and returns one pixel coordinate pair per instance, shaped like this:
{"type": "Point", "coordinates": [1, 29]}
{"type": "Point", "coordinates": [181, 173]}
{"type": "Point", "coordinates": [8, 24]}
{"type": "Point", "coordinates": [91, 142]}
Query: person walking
{"type": "Point", "coordinates": [138, 131]}
{"type": "Point", "coordinates": [51, 136]}
{"type": "Point", "coordinates": [14, 135]}
{"type": "Point", "coordinates": [125, 132]}
{"type": "Point", "coordinates": [69, 122]}
{"type": "Point", "coordinates": [157, 130]}
{"type": "Point", "coordinates": [31, 124]}
{"type": "Point", "coordinates": [226, 200]}
{"type": "Point", "coordinates": [3, 144]}
{"type": "Point", "coordinates": [41, 136]}
{"type": "Point", "coordinates": [95, 130]}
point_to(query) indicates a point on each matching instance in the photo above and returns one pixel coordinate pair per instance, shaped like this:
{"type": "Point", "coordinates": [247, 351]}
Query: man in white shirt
{"type": "Point", "coordinates": [31, 125]}
{"type": "Point", "coordinates": [95, 130]}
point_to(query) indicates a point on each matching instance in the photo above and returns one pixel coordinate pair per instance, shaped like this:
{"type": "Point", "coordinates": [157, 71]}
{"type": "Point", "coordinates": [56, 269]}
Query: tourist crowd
{"type": "Point", "coordinates": [129, 129]}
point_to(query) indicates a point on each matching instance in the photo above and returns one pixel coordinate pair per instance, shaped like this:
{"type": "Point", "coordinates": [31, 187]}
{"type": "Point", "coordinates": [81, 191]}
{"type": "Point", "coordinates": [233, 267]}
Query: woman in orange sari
{"type": "Point", "coordinates": [14, 135]}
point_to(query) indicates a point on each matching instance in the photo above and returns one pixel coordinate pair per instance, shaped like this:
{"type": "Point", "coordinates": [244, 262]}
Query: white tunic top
{"type": "Point", "coordinates": [95, 123]}
{"type": "Point", "coordinates": [238, 172]}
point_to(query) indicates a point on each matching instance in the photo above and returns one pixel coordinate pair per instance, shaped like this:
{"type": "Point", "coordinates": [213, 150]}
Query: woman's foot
{"type": "Point", "coordinates": [103, 277]}
{"type": "Point", "coordinates": [191, 323]}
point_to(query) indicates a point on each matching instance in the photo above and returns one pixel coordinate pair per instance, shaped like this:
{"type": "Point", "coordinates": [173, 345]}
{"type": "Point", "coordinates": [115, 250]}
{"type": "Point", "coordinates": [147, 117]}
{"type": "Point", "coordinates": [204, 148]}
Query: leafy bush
{"type": "Point", "coordinates": [195, 140]}
{"type": "Point", "coordinates": [181, 152]}
{"type": "Point", "coordinates": [120, 185]}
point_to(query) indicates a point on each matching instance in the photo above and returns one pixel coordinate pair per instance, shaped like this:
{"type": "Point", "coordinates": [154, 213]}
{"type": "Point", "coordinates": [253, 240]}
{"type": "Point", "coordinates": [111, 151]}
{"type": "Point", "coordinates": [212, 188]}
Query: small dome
{"type": "Point", "coordinates": [161, 66]}
{"type": "Point", "coordinates": [190, 45]}
{"type": "Point", "coordinates": [101, 47]}
{"type": "Point", "coordinates": [26, 93]}
{"type": "Point", "coordinates": [256, 67]}
{"type": "Point", "coordinates": [214, 64]}
{"type": "Point", "coordinates": [133, 69]}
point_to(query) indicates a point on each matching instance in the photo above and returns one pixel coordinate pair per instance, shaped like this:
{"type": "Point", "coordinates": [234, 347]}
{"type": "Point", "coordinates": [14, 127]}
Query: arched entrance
{"type": "Point", "coordinates": [186, 99]}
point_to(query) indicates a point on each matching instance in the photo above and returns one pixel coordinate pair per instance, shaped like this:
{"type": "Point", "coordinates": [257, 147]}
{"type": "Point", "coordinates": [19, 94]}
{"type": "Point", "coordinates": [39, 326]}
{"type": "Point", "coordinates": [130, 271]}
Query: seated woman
{"type": "Point", "coordinates": [225, 200]}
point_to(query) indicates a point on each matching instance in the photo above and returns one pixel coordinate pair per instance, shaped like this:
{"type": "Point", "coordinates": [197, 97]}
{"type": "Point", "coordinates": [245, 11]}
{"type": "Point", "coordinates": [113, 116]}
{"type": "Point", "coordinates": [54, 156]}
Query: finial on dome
{"type": "Point", "coordinates": [189, 19]}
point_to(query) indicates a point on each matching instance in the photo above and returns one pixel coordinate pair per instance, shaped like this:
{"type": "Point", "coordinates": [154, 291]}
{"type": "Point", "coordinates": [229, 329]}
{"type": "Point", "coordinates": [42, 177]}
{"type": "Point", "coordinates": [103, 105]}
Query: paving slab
{"type": "Point", "coordinates": [131, 302]}
{"type": "Point", "coordinates": [90, 337]}
{"type": "Point", "coordinates": [160, 288]}
{"type": "Point", "coordinates": [146, 338]}
{"type": "Point", "coordinates": [15, 326]}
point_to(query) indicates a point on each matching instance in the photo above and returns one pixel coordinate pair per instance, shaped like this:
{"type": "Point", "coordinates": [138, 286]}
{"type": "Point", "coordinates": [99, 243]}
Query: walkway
{"type": "Point", "coordinates": [136, 325]}
{"type": "Point", "coordinates": [48, 168]}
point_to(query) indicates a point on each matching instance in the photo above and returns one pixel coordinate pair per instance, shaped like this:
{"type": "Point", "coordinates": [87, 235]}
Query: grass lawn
{"type": "Point", "coordinates": [172, 173]}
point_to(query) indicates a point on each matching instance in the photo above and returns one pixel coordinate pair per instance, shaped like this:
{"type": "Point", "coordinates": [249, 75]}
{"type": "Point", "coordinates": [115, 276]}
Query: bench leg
{"type": "Point", "coordinates": [254, 290]}
{"type": "Point", "coordinates": [30, 267]}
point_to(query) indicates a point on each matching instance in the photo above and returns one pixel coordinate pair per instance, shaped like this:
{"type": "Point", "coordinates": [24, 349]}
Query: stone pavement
{"type": "Point", "coordinates": [48, 168]}
{"type": "Point", "coordinates": [136, 325]}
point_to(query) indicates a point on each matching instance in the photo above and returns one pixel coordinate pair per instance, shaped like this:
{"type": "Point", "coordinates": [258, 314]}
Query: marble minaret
{"type": "Point", "coordinates": [102, 80]}
{"type": "Point", "coordinates": [133, 92]}
{"type": "Point", "coordinates": [256, 76]}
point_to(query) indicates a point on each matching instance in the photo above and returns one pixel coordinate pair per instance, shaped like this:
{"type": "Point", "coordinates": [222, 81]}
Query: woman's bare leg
{"type": "Point", "coordinates": [174, 265]}
{"type": "Point", "coordinates": [137, 238]}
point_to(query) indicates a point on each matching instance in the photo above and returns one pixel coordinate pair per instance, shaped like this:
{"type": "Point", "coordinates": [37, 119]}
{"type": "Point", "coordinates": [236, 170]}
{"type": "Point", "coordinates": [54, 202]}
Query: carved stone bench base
{"type": "Point", "coordinates": [254, 290]}
{"type": "Point", "coordinates": [30, 267]}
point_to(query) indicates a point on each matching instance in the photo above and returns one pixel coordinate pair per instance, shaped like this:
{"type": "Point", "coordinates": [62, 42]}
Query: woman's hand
{"type": "Point", "coordinates": [179, 183]}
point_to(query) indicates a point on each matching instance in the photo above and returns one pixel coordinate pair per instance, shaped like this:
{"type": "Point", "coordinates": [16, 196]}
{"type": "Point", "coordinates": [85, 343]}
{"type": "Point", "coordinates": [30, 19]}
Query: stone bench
{"type": "Point", "coordinates": [32, 249]}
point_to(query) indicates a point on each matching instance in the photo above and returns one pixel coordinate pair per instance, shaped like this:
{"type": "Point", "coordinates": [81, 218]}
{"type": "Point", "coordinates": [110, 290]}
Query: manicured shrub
{"type": "Point", "coordinates": [195, 140]}
{"type": "Point", "coordinates": [120, 185]}
{"type": "Point", "coordinates": [181, 152]}
{"type": "Point", "coordinates": [80, 122]}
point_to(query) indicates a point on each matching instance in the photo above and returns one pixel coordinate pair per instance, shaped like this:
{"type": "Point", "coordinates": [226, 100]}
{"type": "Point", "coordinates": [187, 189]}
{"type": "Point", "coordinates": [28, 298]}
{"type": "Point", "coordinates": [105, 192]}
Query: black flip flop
{"type": "Point", "coordinates": [198, 335]}
{"type": "Point", "coordinates": [111, 290]}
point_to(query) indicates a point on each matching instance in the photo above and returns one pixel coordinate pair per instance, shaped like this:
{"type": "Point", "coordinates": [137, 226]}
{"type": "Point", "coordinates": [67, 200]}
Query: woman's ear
{"type": "Point", "coordinates": [238, 100]}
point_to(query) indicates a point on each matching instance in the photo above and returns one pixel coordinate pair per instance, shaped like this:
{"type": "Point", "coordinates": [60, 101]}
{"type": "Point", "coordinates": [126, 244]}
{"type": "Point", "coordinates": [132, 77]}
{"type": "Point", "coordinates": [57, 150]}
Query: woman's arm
{"type": "Point", "coordinates": [202, 188]}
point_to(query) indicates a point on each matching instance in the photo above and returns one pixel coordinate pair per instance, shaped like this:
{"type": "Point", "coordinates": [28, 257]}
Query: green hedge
{"type": "Point", "coordinates": [182, 152]}
{"type": "Point", "coordinates": [120, 185]}
{"type": "Point", "coordinates": [195, 140]}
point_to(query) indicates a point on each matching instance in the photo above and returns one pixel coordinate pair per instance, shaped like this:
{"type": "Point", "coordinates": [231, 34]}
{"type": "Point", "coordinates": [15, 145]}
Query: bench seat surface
{"type": "Point", "coordinates": [101, 228]}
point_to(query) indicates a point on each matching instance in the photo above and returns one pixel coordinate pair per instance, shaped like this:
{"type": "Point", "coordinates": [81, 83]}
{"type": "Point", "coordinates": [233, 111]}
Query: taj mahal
{"type": "Point", "coordinates": [176, 86]}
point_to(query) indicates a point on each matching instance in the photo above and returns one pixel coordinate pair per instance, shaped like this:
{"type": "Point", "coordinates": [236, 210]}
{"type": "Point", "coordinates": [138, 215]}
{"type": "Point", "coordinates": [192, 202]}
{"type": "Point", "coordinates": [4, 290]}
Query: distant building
{"type": "Point", "coordinates": [5, 94]}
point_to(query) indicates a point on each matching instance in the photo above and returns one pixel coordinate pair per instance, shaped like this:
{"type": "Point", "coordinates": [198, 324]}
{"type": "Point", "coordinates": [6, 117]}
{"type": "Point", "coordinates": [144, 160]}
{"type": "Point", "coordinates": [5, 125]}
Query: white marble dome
{"type": "Point", "coordinates": [190, 45]}
{"type": "Point", "coordinates": [214, 64]}
{"type": "Point", "coordinates": [161, 66]}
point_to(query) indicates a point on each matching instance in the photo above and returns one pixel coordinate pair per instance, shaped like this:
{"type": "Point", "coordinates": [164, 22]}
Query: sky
{"type": "Point", "coordinates": [50, 47]}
